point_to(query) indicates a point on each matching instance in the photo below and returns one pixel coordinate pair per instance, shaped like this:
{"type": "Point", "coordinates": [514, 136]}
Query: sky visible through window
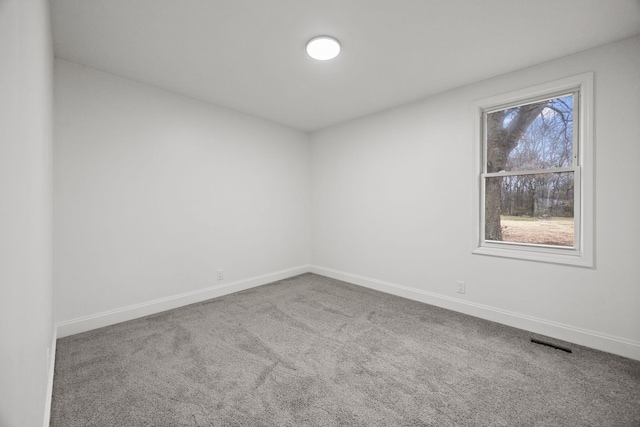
{"type": "Point", "coordinates": [548, 141]}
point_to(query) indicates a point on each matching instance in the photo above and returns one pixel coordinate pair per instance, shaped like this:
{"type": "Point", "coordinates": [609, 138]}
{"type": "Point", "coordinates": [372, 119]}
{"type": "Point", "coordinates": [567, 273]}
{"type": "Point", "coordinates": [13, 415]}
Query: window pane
{"type": "Point", "coordinates": [532, 136]}
{"type": "Point", "coordinates": [535, 209]}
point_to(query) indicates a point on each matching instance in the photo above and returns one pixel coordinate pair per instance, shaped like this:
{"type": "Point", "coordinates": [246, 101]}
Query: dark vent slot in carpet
{"type": "Point", "coordinates": [548, 344]}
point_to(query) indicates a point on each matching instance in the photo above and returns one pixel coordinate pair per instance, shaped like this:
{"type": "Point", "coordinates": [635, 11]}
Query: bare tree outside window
{"type": "Point", "coordinates": [529, 176]}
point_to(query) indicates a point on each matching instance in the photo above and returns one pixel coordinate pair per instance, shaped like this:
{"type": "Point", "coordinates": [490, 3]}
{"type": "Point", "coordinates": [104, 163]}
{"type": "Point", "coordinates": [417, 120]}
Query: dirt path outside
{"type": "Point", "coordinates": [555, 231]}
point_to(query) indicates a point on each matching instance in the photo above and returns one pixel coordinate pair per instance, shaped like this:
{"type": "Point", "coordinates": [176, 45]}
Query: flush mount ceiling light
{"type": "Point", "coordinates": [323, 48]}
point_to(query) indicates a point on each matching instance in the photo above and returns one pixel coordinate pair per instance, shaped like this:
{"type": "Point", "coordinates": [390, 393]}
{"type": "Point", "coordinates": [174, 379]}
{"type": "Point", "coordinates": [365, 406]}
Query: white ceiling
{"type": "Point", "coordinates": [248, 55]}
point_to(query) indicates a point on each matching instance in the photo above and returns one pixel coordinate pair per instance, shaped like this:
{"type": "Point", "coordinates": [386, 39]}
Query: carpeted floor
{"type": "Point", "coordinates": [313, 351]}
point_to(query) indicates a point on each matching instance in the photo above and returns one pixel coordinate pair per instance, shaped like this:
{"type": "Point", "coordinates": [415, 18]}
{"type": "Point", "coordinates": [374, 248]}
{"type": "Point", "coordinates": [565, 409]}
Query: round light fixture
{"type": "Point", "coordinates": [323, 48]}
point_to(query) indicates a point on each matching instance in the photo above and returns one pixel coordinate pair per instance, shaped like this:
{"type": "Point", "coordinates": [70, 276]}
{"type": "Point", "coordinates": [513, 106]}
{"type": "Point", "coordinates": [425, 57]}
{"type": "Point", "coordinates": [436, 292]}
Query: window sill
{"type": "Point", "coordinates": [569, 257]}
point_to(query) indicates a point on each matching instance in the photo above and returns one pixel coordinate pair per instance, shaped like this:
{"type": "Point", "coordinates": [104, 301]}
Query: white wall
{"type": "Point", "coordinates": [392, 209]}
{"type": "Point", "coordinates": [26, 321]}
{"type": "Point", "coordinates": [154, 192]}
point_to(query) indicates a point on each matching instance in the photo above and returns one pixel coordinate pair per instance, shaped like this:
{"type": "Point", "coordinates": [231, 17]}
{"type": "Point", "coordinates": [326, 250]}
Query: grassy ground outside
{"type": "Point", "coordinates": [557, 231]}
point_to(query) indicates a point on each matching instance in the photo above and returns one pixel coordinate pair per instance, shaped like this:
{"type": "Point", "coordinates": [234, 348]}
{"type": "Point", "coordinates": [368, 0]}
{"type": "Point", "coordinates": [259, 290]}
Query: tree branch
{"type": "Point", "coordinates": [526, 115]}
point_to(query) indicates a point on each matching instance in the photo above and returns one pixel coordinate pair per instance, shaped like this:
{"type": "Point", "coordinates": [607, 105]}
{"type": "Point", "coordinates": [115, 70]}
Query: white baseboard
{"type": "Point", "coordinates": [49, 391]}
{"type": "Point", "coordinates": [593, 339]}
{"type": "Point", "coordinates": [596, 340]}
{"type": "Point", "coordinates": [111, 317]}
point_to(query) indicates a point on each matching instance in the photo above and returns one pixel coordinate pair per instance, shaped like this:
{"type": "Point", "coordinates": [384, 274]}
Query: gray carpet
{"type": "Point", "coordinates": [312, 351]}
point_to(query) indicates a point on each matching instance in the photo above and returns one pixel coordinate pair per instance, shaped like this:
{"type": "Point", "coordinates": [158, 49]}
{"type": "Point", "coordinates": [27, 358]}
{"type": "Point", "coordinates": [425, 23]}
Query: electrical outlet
{"type": "Point", "coordinates": [220, 274]}
{"type": "Point", "coordinates": [461, 287]}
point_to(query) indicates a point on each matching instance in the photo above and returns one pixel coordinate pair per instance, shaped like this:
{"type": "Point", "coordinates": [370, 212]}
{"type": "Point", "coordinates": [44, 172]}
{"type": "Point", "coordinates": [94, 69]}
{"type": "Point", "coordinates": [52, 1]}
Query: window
{"type": "Point", "coordinates": [533, 179]}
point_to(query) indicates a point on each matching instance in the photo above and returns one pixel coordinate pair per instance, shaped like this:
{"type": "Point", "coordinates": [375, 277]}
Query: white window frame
{"type": "Point", "coordinates": [583, 252]}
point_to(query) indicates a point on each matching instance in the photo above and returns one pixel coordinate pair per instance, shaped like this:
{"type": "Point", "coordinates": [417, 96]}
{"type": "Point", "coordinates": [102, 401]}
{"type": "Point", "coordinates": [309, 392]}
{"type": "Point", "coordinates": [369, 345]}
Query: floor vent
{"type": "Point", "coordinates": [548, 344]}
